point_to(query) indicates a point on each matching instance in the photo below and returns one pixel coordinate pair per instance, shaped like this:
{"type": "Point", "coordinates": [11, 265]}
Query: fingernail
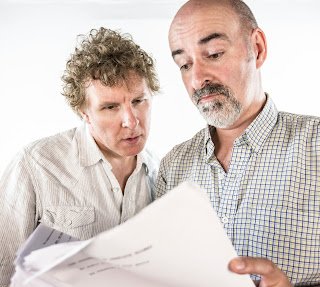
{"type": "Point", "coordinates": [239, 264]}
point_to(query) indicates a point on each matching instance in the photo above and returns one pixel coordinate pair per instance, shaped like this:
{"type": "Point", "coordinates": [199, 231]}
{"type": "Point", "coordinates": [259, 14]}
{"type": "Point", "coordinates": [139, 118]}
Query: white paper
{"type": "Point", "coordinates": [43, 236]}
{"type": "Point", "coordinates": [177, 240]}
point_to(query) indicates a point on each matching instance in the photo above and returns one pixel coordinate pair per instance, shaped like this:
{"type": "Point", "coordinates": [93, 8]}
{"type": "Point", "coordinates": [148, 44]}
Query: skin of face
{"type": "Point", "coordinates": [210, 47]}
{"type": "Point", "coordinates": [119, 117]}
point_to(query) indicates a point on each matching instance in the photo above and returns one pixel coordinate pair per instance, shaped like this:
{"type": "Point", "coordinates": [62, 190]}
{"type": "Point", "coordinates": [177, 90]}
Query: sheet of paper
{"type": "Point", "coordinates": [176, 241]}
{"type": "Point", "coordinates": [43, 236]}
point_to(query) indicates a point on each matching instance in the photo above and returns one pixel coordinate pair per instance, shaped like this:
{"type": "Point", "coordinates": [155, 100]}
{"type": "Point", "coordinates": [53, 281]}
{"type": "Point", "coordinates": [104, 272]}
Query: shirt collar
{"type": "Point", "coordinates": [90, 154]}
{"type": "Point", "coordinates": [209, 143]}
{"type": "Point", "coordinates": [259, 130]}
{"type": "Point", "coordinates": [255, 134]}
{"type": "Point", "coordinates": [141, 162]}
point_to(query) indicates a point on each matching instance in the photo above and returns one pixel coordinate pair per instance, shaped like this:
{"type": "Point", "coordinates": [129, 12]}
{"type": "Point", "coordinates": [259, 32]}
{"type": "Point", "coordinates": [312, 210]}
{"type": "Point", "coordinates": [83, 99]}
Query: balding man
{"type": "Point", "coordinates": [260, 167]}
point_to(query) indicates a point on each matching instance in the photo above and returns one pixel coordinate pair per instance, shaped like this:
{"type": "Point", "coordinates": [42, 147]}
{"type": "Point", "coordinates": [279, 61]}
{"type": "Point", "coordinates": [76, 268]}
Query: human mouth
{"type": "Point", "coordinates": [132, 140]}
{"type": "Point", "coordinates": [209, 92]}
{"type": "Point", "coordinates": [208, 98]}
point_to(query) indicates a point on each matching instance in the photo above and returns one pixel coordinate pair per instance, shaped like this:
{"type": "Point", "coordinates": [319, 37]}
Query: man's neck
{"type": "Point", "coordinates": [122, 168]}
{"type": "Point", "coordinates": [223, 144]}
{"type": "Point", "coordinates": [223, 139]}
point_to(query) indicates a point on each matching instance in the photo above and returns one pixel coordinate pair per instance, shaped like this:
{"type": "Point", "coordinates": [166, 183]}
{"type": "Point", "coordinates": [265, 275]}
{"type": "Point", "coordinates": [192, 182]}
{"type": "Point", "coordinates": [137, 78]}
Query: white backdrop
{"type": "Point", "coordinates": [37, 37]}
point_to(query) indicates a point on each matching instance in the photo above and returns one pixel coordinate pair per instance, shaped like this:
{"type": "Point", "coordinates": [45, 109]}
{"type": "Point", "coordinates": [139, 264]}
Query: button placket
{"type": "Point", "coordinates": [129, 198]}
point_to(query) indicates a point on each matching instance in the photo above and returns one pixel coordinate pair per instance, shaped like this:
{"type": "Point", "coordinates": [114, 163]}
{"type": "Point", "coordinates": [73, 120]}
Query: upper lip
{"type": "Point", "coordinates": [131, 137]}
{"type": "Point", "coordinates": [207, 95]}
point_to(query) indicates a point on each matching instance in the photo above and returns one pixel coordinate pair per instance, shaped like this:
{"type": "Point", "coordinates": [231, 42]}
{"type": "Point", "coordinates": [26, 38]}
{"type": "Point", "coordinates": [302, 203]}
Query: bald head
{"type": "Point", "coordinates": [219, 50]}
{"type": "Point", "coordinates": [245, 15]}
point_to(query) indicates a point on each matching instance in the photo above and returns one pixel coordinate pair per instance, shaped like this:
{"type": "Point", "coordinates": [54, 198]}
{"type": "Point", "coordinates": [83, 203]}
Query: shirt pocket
{"type": "Point", "coordinates": [73, 220]}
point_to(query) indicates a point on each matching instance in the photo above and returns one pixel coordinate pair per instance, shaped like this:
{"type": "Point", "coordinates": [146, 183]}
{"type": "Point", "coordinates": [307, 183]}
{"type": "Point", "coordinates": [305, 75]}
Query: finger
{"type": "Point", "coordinates": [245, 265]}
{"type": "Point", "coordinates": [271, 275]}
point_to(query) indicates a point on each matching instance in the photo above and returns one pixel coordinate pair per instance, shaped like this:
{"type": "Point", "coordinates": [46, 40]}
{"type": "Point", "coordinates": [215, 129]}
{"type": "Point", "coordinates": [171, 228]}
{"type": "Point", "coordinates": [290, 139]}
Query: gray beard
{"type": "Point", "coordinates": [221, 114]}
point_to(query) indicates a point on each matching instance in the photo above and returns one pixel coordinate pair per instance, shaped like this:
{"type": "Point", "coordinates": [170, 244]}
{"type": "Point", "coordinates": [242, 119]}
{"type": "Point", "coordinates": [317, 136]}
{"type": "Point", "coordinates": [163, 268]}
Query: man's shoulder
{"type": "Point", "coordinates": [52, 145]}
{"type": "Point", "coordinates": [298, 117]}
{"type": "Point", "coordinates": [51, 157]}
{"type": "Point", "coordinates": [188, 147]}
{"type": "Point", "coordinates": [299, 123]}
{"type": "Point", "coordinates": [55, 152]}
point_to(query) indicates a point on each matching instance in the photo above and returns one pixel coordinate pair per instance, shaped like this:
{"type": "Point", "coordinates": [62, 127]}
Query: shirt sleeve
{"type": "Point", "coordinates": [161, 183]}
{"type": "Point", "coordinates": [17, 214]}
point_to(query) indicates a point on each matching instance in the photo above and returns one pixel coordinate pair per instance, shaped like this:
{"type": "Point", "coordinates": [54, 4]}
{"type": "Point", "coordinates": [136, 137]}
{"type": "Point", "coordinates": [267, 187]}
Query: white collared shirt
{"type": "Point", "coordinates": [65, 182]}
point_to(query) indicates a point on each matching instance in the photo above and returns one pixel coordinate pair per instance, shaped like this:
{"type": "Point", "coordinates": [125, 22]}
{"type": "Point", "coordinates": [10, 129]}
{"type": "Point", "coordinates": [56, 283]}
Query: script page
{"type": "Point", "coordinates": [177, 240]}
{"type": "Point", "coordinates": [43, 236]}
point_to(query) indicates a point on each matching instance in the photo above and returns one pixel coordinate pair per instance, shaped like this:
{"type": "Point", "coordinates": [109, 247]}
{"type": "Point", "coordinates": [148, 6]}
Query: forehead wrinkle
{"type": "Point", "coordinates": [179, 30]}
{"type": "Point", "coordinates": [204, 41]}
{"type": "Point", "coordinates": [183, 27]}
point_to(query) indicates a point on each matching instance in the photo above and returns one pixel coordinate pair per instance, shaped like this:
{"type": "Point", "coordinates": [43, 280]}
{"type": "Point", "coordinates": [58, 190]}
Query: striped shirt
{"type": "Point", "coordinates": [65, 182]}
{"type": "Point", "coordinates": [269, 199]}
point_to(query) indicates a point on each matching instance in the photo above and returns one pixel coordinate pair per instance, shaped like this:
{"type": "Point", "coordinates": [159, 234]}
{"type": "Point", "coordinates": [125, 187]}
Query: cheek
{"type": "Point", "coordinates": [247, 75]}
{"type": "Point", "coordinates": [187, 81]}
{"type": "Point", "coordinates": [145, 117]}
{"type": "Point", "coordinates": [235, 77]}
{"type": "Point", "coordinates": [106, 124]}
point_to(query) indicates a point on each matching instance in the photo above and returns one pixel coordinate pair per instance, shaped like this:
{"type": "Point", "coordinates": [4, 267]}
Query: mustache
{"type": "Point", "coordinates": [210, 89]}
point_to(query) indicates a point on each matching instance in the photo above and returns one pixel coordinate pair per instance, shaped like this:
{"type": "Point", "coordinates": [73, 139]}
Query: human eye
{"type": "Point", "coordinates": [109, 107]}
{"type": "Point", "coordinates": [184, 67]}
{"type": "Point", "coordinates": [215, 55]}
{"type": "Point", "coordinates": [138, 101]}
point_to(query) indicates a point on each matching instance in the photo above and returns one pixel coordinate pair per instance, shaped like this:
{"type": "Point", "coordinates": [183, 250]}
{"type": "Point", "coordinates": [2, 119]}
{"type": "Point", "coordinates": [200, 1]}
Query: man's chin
{"type": "Point", "coordinates": [133, 150]}
{"type": "Point", "coordinates": [218, 122]}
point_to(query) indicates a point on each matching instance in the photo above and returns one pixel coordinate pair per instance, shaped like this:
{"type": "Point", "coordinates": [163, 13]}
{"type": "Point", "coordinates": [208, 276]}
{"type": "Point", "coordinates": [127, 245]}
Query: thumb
{"type": "Point", "coordinates": [271, 275]}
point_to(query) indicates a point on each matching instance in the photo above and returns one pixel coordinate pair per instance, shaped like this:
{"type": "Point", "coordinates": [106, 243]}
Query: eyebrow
{"type": "Point", "coordinates": [203, 41]}
{"type": "Point", "coordinates": [177, 52]}
{"type": "Point", "coordinates": [111, 103]}
{"type": "Point", "coordinates": [212, 36]}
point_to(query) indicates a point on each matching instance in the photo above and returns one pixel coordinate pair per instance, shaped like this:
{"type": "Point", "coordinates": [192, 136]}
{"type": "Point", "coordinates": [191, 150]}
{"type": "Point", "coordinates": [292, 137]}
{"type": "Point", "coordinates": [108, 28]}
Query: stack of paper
{"type": "Point", "coordinates": [177, 240]}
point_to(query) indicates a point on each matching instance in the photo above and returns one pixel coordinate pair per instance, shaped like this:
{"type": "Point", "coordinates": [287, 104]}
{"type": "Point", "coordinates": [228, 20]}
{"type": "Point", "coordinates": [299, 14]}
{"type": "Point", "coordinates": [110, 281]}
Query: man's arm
{"type": "Point", "coordinates": [161, 184]}
{"type": "Point", "coordinates": [17, 214]}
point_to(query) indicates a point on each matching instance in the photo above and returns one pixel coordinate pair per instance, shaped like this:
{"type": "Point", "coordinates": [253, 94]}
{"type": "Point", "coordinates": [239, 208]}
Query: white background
{"type": "Point", "coordinates": [38, 36]}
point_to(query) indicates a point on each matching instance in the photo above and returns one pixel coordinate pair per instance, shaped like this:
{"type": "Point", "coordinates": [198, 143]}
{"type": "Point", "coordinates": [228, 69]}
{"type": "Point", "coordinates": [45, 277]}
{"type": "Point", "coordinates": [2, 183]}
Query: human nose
{"type": "Point", "coordinates": [129, 119]}
{"type": "Point", "coordinates": [200, 75]}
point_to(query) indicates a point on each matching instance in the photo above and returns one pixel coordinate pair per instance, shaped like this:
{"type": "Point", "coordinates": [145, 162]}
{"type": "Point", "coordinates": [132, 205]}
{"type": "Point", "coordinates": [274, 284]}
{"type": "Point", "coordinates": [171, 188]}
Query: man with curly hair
{"type": "Point", "coordinates": [94, 177]}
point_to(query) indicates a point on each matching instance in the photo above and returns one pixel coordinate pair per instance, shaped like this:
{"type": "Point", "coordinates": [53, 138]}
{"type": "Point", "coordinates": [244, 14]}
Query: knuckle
{"type": "Point", "coordinates": [270, 267]}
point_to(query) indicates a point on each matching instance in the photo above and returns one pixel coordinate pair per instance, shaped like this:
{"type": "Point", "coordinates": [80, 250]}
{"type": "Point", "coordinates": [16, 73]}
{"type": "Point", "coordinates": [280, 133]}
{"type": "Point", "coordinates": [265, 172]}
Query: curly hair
{"type": "Point", "coordinates": [108, 56]}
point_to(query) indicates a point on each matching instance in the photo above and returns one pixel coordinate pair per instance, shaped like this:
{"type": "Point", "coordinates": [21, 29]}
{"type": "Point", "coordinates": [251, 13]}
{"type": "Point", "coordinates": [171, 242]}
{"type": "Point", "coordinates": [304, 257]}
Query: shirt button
{"type": "Point", "coordinates": [69, 222]}
{"type": "Point", "coordinates": [221, 176]}
{"type": "Point", "coordinates": [225, 220]}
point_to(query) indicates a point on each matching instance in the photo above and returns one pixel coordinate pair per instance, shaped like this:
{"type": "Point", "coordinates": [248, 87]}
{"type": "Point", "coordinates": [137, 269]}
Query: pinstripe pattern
{"type": "Point", "coordinates": [269, 200]}
{"type": "Point", "coordinates": [65, 182]}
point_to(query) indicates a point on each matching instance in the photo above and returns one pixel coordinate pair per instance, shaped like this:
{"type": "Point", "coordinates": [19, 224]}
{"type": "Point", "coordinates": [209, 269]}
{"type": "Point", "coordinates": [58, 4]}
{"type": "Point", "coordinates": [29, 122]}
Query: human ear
{"type": "Point", "coordinates": [85, 117]}
{"type": "Point", "coordinates": [260, 46]}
